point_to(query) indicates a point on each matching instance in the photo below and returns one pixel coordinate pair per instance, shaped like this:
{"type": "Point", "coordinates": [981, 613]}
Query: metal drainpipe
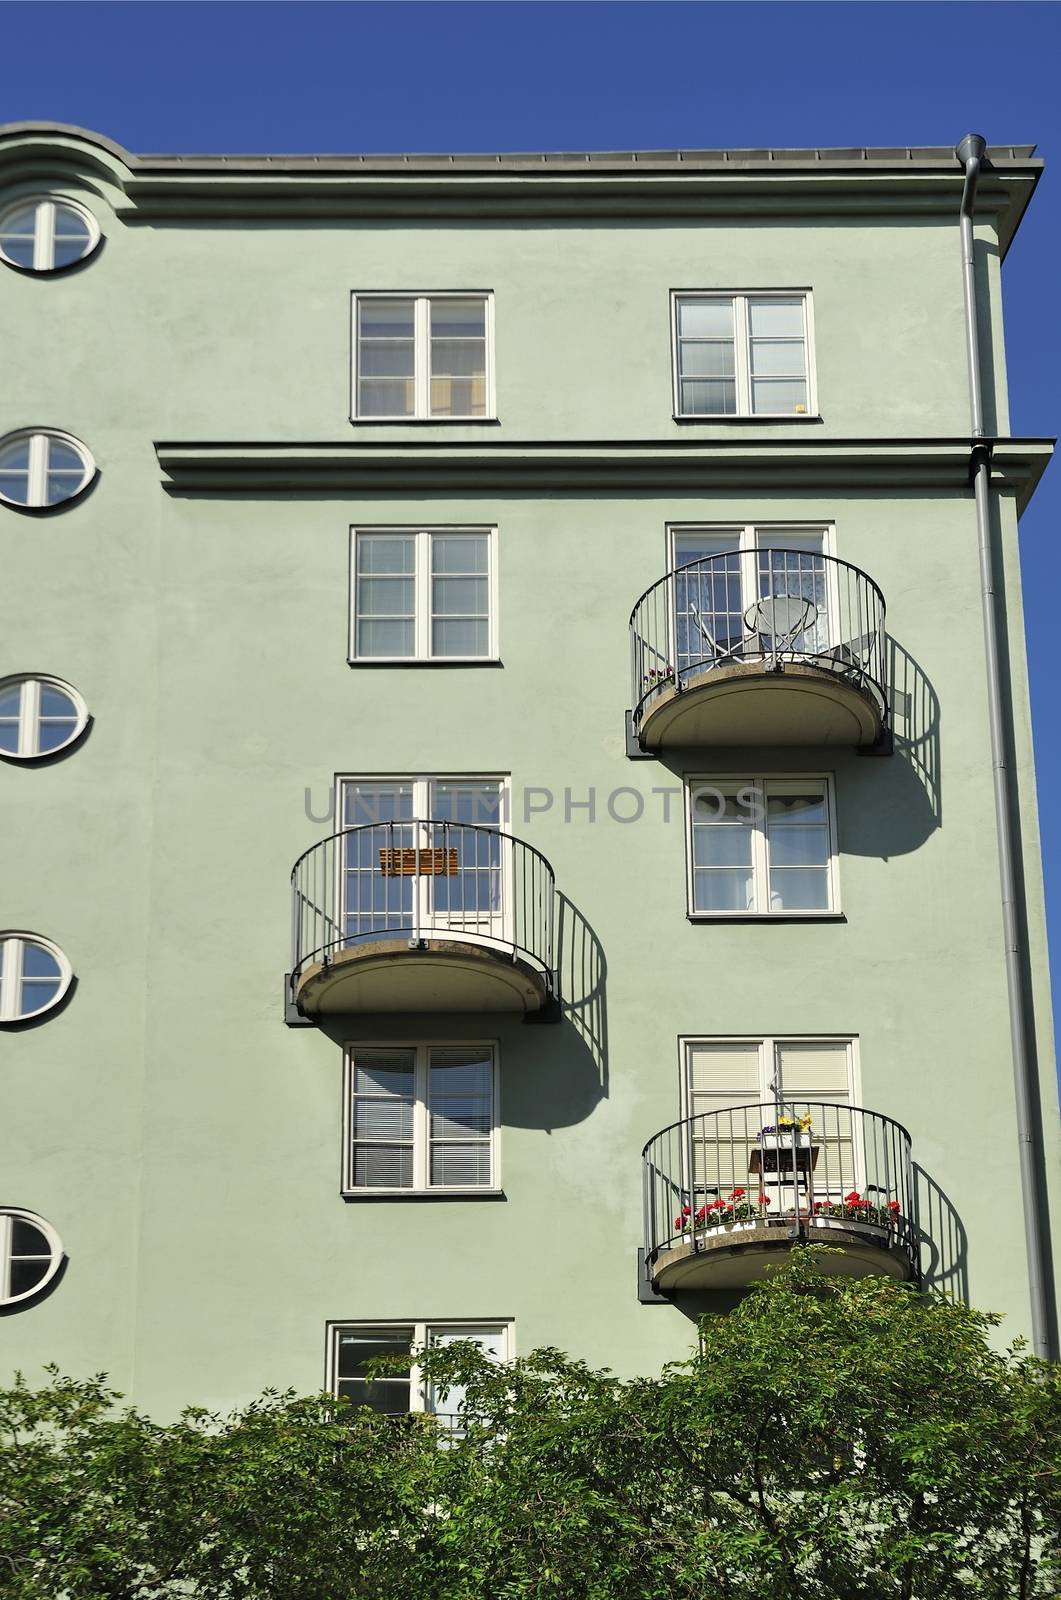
{"type": "Point", "coordinates": [970, 153]}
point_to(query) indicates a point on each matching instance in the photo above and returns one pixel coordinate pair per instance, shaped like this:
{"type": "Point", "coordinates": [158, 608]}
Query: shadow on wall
{"type": "Point", "coordinates": [915, 725]}
{"type": "Point", "coordinates": [942, 1239]}
{"type": "Point", "coordinates": [553, 1074]}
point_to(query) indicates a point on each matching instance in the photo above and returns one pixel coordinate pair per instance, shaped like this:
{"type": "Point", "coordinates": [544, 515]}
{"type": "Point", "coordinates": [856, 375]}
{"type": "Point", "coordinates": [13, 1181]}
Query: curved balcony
{"type": "Point", "coordinates": [422, 916]}
{"type": "Point", "coordinates": [771, 647]}
{"type": "Point", "coordinates": [728, 1192]}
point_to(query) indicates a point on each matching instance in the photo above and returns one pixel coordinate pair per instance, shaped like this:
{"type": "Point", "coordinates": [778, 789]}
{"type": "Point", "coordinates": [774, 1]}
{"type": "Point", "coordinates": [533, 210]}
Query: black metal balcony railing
{"type": "Point", "coordinates": [419, 879]}
{"type": "Point", "coordinates": [771, 607]}
{"type": "Point", "coordinates": [847, 1166]}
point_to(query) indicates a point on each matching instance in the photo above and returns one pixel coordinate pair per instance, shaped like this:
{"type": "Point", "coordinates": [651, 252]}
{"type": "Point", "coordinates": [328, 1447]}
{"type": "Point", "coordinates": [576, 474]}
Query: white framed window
{"type": "Point", "coordinates": [743, 354]}
{"type": "Point", "coordinates": [353, 1345]}
{"type": "Point", "coordinates": [46, 233]}
{"type": "Point", "coordinates": [450, 827]}
{"type": "Point", "coordinates": [735, 1089]}
{"type": "Point", "coordinates": [762, 846]}
{"type": "Point", "coordinates": [423, 594]}
{"type": "Point", "coordinates": [42, 468]}
{"type": "Point", "coordinates": [38, 716]}
{"type": "Point", "coordinates": [34, 976]}
{"type": "Point", "coordinates": [423, 356]}
{"type": "Point", "coordinates": [31, 1253]}
{"type": "Point", "coordinates": [716, 602]}
{"type": "Point", "coordinates": [420, 1117]}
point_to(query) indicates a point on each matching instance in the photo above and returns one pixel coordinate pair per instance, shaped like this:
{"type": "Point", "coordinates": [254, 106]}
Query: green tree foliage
{"type": "Point", "coordinates": [829, 1440]}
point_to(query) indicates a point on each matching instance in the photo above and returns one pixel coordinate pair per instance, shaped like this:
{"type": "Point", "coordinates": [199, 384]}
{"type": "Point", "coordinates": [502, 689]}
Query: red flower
{"type": "Point", "coordinates": [853, 1199]}
{"type": "Point", "coordinates": [764, 1199]}
{"type": "Point", "coordinates": [893, 1205]}
{"type": "Point", "coordinates": [738, 1194]}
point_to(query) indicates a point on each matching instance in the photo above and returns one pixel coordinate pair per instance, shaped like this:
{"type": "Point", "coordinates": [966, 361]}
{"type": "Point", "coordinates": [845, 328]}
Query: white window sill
{"type": "Point", "coordinates": [407, 421]}
{"type": "Point", "coordinates": [423, 1194]}
{"type": "Point", "coordinates": [772, 417]}
{"type": "Point", "coordinates": [424, 661]}
{"type": "Point", "coordinates": [765, 916]}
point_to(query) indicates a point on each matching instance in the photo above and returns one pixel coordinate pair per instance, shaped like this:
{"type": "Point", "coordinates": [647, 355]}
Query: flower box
{"type": "Point", "coordinates": [785, 1140]}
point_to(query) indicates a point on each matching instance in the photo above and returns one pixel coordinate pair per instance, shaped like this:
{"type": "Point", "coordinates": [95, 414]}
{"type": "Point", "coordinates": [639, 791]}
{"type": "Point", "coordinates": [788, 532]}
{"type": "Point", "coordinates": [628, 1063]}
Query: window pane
{"type": "Point", "coordinates": [464, 637]}
{"type": "Point", "coordinates": [458, 397]}
{"type": "Point", "coordinates": [391, 1074]}
{"type": "Point", "coordinates": [701, 397]}
{"type": "Point", "coordinates": [383, 1166]}
{"type": "Point", "coordinates": [801, 808]}
{"type": "Point", "coordinates": [799, 889]}
{"type": "Point", "coordinates": [9, 737]}
{"type": "Point", "coordinates": [385, 638]}
{"type": "Point", "coordinates": [69, 248]}
{"type": "Point", "coordinates": [385, 597]}
{"type": "Point", "coordinates": [776, 318]}
{"type": "Point", "coordinates": [54, 703]}
{"type": "Point", "coordinates": [777, 357]}
{"type": "Point", "coordinates": [376, 802]}
{"type": "Point", "coordinates": [38, 962]}
{"type": "Point", "coordinates": [708, 360]}
{"type": "Point", "coordinates": [25, 1275]}
{"type": "Point", "coordinates": [385, 553]}
{"type": "Point", "coordinates": [386, 397]}
{"type": "Point", "coordinates": [26, 1240]}
{"type": "Point", "coordinates": [60, 486]}
{"type": "Point", "coordinates": [63, 458]}
{"type": "Point", "coordinates": [798, 847]}
{"type": "Point", "coordinates": [705, 319]}
{"type": "Point", "coordinates": [459, 552]}
{"type": "Point", "coordinates": [722, 845]}
{"type": "Point", "coordinates": [18, 250]}
{"type": "Point", "coordinates": [459, 596]}
{"type": "Point", "coordinates": [782, 396]}
{"type": "Point", "coordinates": [15, 457]}
{"type": "Point", "coordinates": [382, 1118]}
{"type": "Point", "coordinates": [390, 1397]}
{"type": "Point", "coordinates": [467, 802]}
{"type": "Point", "coordinates": [461, 1165]}
{"type": "Point", "coordinates": [11, 701]}
{"type": "Point", "coordinates": [722, 890]}
{"type": "Point", "coordinates": [37, 993]}
{"type": "Point", "coordinates": [389, 358]}
{"type": "Point", "coordinates": [15, 486]}
{"type": "Point", "coordinates": [457, 358]}
{"type": "Point", "coordinates": [53, 735]}
{"type": "Point", "coordinates": [458, 319]}
{"type": "Point", "coordinates": [23, 221]}
{"type": "Point", "coordinates": [386, 319]}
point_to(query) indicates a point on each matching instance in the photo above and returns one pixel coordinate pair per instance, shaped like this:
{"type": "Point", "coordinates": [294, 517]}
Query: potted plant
{"type": "Point", "coordinates": [657, 677]}
{"type": "Point", "coordinates": [787, 1132]}
{"type": "Point", "coordinates": [737, 1210]}
{"type": "Point", "coordinates": [854, 1207]}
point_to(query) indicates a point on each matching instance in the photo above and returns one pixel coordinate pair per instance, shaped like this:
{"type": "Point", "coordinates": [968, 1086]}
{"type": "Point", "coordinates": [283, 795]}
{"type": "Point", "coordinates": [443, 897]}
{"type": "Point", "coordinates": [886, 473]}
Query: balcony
{"type": "Point", "coordinates": [417, 916]}
{"type": "Point", "coordinates": [728, 1192]}
{"type": "Point", "coordinates": [759, 647]}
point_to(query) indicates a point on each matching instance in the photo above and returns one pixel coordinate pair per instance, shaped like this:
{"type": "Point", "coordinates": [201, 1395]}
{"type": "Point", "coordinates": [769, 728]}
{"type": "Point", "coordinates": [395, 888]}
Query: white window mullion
{"type": "Point", "coordinates": [38, 469]}
{"type": "Point", "coordinates": [417, 1390]}
{"type": "Point", "coordinates": [421, 1120]}
{"type": "Point", "coordinates": [11, 983]}
{"type": "Point", "coordinates": [749, 569]}
{"type": "Point", "coordinates": [741, 355]}
{"type": "Point", "coordinates": [760, 851]}
{"type": "Point", "coordinates": [422, 589]}
{"type": "Point", "coordinates": [44, 239]}
{"type": "Point", "coordinates": [29, 718]}
{"type": "Point", "coordinates": [6, 1230]}
{"type": "Point", "coordinates": [422, 356]}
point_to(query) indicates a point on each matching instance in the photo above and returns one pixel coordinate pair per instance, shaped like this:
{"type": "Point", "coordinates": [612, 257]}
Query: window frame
{"type": "Point", "coordinates": [11, 970]}
{"type": "Point", "coordinates": [421, 1330]}
{"type": "Point", "coordinates": [422, 575]}
{"type": "Point", "coordinates": [421, 355]}
{"type": "Point", "coordinates": [37, 468]}
{"type": "Point", "coordinates": [760, 782]}
{"type": "Point", "coordinates": [44, 233]}
{"type": "Point", "coordinates": [29, 715]}
{"type": "Point", "coordinates": [767, 1046]}
{"type": "Point", "coordinates": [8, 1215]}
{"type": "Point", "coordinates": [421, 1142]}
{"type": "Point", "coordinates": [742, 357]}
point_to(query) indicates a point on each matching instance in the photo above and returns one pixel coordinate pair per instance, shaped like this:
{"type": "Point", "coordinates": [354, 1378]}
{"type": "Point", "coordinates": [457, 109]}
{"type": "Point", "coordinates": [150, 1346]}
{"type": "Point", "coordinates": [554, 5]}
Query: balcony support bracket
{"type": "Point", "coordinates": [647, 1293]}
{"type": "Point", "coordinates": [634, 749]}
{"type": "Point", "coordinates": [293, 1017]}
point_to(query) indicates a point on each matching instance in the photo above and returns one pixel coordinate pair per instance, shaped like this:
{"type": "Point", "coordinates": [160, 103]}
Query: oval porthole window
{"type": "Point", "coordinates": [31, 1253]}
{"type": "Point", "coordinates": [34, 976]}
{"type": "Point", "coordinates": [38, 716]}
{"type": "Point", "coordinates": [43, 468]}
{"type": "Point", "coordinates": [44, 234]}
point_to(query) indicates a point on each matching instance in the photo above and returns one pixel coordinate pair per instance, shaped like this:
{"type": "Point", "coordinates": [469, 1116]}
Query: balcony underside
{"type": "Point", "coordinates": [434, 975]}
{"type": "Point", "coordinates": [746, 703]}
{"type": "Point", "coordinates": [732, 1258]}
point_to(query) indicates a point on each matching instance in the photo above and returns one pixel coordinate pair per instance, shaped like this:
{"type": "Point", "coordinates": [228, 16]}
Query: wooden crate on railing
{"type": "Point", "coordinates": [410, 861]}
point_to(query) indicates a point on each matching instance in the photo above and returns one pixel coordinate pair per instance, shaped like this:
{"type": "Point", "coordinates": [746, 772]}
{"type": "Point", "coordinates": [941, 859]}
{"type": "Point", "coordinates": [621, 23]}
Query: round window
{"type": "Point", "coordinates": [30, 1254]}
{"type": "Point", "coordinates": [34, 976]}
{"type": "Point", "coordinates": [43, 468]}
{"type": "Point", "coordinates": [38, 716]}
{"type": "Point", "coordinates": [44, 234]}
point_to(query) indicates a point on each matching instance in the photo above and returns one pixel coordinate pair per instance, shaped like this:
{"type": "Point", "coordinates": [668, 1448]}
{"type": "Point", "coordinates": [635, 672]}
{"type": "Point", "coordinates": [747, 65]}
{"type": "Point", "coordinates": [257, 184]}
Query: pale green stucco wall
{"type": "Point", "coordinates": [186, 1144]}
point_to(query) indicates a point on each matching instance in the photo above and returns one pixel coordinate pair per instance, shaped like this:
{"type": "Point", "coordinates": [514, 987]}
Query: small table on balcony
{"type": "Point", "coordinates": [770, 1164]}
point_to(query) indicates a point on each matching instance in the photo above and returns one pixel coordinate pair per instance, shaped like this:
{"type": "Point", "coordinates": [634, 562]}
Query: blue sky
{"type": "Point", "coordinates": [286, 77]}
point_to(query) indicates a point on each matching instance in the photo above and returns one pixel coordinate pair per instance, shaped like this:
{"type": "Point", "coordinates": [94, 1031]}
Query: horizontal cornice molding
{"type": "Point", "coordinates": [595, 466]}
{"type": "Point", "coordinates": [920, 182]}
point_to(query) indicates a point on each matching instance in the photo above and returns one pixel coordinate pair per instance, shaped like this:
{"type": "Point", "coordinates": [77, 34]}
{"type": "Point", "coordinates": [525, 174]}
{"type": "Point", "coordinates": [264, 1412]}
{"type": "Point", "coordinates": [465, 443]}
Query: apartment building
{"type": "Point", "coordinates": [498, 753]}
